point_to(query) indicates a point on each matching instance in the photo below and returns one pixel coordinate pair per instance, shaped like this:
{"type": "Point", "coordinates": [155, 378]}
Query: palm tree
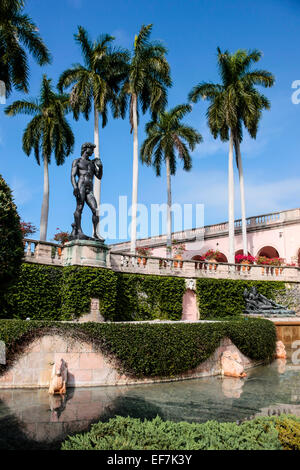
{"type": "Point", "coordinates": [48, 132]}
{"type": "Point", "coordinates": [144, 88]}
{"type": "Point", "coordinates": [234, 103]}
{"type": "Point", "coordinates": [17, 29]}
{"type": "Point", "coordinates": [96, 83]}
{"type": "Point", "coordinates": [166, 137]}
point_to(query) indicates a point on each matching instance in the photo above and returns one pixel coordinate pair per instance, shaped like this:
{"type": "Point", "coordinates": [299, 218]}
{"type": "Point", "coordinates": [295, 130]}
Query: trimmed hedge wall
{"type": "Point", "coordinates": [224, 297]}
{"type": "Point", "coordinates": [149, 297]}
{"type": "Point", "coordinates": [80, 284]}
{"type": "Point", "coordinates": [149, 350]}
{"type": "Point", "coordinates": [120, 433]}
{"type": "Point", "coordinates": [36, 294]}
{"type": "Point", "coordinates": [62, 293]}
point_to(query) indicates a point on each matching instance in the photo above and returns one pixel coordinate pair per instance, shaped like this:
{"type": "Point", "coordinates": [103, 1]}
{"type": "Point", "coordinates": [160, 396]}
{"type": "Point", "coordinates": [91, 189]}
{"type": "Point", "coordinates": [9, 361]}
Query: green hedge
{"type": "Point", "coordinates": [224, 297]}
{"type": "Point", "coordinates": [80, 284]}
{"type": "Point", "coordinates": [119, 433]}
{"type": "Point", "coordinates": [36, 294]}
{"type": "Point", "coordinates": [149, 297]}
{"type": "Point", "coordinates": [149, 350]}
{"type": "Point", "coordinates": [11, 237]}
{"type": "Point", "coordinates": [62, 293]}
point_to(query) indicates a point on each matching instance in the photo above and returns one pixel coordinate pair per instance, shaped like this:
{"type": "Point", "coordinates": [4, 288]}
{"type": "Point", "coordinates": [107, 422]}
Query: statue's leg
{"type": "Point", "coordinates": [92, 203]}
{"type": "Point", "coordinates": [78, 212]}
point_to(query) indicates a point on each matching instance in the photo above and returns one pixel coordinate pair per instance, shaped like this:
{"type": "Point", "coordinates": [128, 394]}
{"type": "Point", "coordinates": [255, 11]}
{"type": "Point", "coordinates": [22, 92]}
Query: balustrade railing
{"type": "Point", "coordinates": [51, 253]}
{"type": "Point", "coordinates": [194, 268]}
{"type": "Point", "coordinates": [36, 251]}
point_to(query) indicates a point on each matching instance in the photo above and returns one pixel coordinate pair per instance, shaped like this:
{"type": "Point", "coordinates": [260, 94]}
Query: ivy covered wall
{"type": "Point", "coordinates": [224, 297]}
{"type": "Point", "coordinates": [63, 293]}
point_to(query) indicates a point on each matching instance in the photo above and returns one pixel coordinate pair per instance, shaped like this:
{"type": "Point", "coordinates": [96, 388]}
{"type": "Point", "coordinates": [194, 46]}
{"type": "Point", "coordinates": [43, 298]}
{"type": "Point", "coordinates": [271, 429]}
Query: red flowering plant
{"type": "Point", "coordinates": [61, 237]}
{"type": "Point", "coordinates": [178, 248]}
{"type": "Point", "coordinates": [144, 251]}
{"type": "Point", "coordinates": [27, 228]}
{"type": "Point", "coordinates": [212, 255]}
{"type": "Point", "coordinates": [276, 261]}
{"type": "Point", "coordinates": [263, 260]}
{"type": "Point", "coordinates": [244, 258]}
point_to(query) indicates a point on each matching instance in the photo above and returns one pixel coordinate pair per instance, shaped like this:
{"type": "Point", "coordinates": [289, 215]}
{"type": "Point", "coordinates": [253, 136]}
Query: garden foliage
{"type": "Point", "coordinates": [120, 433]}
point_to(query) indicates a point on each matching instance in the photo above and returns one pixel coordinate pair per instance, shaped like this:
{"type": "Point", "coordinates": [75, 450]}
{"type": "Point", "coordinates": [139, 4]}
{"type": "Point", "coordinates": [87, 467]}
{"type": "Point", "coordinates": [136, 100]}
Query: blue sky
{"type": "Point", "coordinates": [191, 30]}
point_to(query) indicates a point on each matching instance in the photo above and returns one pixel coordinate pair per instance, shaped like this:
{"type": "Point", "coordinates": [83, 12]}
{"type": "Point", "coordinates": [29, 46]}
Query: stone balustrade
{"type": "Point", "coordinates": [196, 269]}
{"type": "Point", "coordinates": [50, 253]}
{"type": "Point", "coordinates": [36, 251]}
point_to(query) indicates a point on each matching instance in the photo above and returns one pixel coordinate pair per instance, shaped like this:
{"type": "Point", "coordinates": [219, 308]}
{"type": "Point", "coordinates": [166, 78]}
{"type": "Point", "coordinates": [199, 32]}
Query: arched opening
{"type": "Point", "coordinates": [241, 252]}
{"type": "Point", "coordinates": [268, 252]}
{"type": "Point", "coordinates": [222, 258]}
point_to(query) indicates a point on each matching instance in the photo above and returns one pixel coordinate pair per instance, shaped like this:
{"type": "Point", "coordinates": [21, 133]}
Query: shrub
{"type": "Point", "coordinates": [121, 433]}
{"type": "Point", "coordinates": [11, 238]}
{"type": "Point", "coordinates": [35, 294]}
{"type": "Point", "coordinates": [288, 432]}
{"type": "Point", "coordinates": [224, 297]}
{"type": "Point", "coordinates": [80, 284]}
{"type": "Point", "coordinates": [149, 297]}
{"type": "Point", "coordinates": [150, 350]}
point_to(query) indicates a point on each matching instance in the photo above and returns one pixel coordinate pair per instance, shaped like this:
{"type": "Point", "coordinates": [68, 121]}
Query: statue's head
{"type": "Point", "coordinates": [87, 147]}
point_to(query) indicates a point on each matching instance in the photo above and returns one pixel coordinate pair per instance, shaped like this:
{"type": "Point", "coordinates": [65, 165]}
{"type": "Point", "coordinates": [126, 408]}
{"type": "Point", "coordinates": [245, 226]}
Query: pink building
{"type": "Point", "coordinates": [273, 235]}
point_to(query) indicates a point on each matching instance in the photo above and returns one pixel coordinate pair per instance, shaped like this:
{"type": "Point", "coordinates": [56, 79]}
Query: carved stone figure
{"type": "Point", "coordinates": [280, 350]}
{"type": "Point", "coordinates": [59, 376]}
{"type": "Point", "coordinates": [85, 170]}
{"type": "Point", "coordinates": [259, 304]}
{"type": "Point", "coordinates": [231, 364]}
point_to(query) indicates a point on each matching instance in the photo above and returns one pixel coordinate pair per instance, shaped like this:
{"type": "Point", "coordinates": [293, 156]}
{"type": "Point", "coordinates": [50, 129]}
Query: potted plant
{"type": "Point", "coordinates": [212, 256]}
{"type": "Point", "coordinates": [178, 249]}
{"type": "Point", "coordinates": [245, 260]}
{"type": "Point", "coordinates": [62, 238]}
{"type": "Point", "coordinates": [276, 262]}
{"type": "Point", "coordinates": [143, 253]}
{"type": "Point", "coordinates": [263, 261]}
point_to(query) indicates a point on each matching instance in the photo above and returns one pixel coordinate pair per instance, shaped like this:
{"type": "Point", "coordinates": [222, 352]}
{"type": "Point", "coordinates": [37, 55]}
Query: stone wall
{"type": "Point", "coordinates": [88, 367]}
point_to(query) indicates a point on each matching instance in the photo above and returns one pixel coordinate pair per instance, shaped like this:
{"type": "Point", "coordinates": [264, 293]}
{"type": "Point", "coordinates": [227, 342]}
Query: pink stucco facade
{"type": "Point", "coordinates": [275, 234]}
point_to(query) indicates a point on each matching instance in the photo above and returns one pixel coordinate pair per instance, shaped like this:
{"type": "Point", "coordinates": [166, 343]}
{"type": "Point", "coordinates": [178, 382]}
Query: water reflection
{"type": "Point", "coordinates": [33, 419]}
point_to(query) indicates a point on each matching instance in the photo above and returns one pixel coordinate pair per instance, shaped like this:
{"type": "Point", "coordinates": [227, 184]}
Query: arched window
{"type": "Point", "coordinates": [268, 252]}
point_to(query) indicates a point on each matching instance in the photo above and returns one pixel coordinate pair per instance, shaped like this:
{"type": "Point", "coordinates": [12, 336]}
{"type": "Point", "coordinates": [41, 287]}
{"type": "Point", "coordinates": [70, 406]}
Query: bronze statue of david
{"type": "Point", "coordinates": [83, 172]}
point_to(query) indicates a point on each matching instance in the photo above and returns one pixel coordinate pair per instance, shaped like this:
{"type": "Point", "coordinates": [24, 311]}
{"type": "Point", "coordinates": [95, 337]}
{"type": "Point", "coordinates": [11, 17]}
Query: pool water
{"type": "Point", "coordinates": [31, 419]}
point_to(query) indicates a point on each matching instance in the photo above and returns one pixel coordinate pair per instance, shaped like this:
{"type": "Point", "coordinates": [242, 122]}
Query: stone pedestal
{"type": "Point", "coordinates": [85, 253]}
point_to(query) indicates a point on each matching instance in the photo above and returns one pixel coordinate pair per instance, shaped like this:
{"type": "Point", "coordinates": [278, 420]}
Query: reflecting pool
{"type": "Point", "coordinates": [31, 419]}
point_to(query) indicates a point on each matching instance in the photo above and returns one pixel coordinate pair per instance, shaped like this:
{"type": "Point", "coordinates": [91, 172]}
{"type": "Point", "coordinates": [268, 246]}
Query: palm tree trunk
{"type": "Point", "coordinates": [134, 175]}
{"type": "Point", "coordinates": [231, 200]}
{"type": "Point", "coordinates": [169, 213]}
{"type": "Point", "coordinates": [45, 204]}
{"type": "Point", "coordinates": [242, 192]}
{"type": "Point", "coordinates": [97, 182]}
